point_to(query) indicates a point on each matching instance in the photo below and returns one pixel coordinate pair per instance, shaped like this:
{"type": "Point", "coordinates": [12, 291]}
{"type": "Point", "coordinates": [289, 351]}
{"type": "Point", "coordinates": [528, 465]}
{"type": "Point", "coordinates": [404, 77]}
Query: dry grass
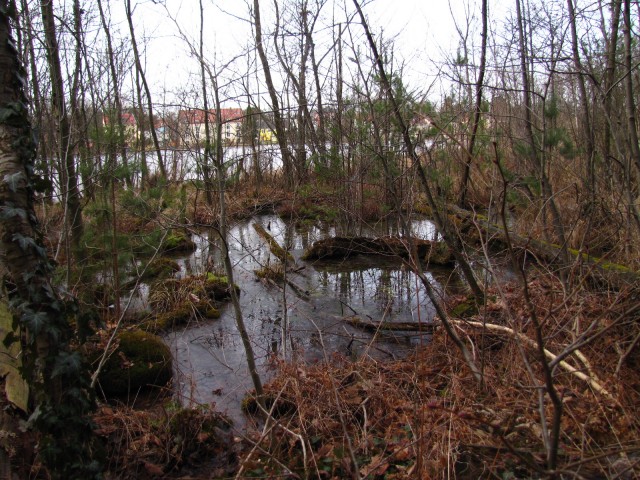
{"type": "Point", "coordinates": [165, 442]}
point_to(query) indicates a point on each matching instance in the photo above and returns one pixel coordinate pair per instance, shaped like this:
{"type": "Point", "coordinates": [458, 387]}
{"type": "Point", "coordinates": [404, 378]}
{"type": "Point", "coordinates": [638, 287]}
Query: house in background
{"type": "Point", "coordinates": [192, 128]}
{"type": "Point", "coordinates": [232, 119]}
{"type": "Point", "coordinates": [192, 125]}
{"type": "Point", "coordinates": [131, 132]}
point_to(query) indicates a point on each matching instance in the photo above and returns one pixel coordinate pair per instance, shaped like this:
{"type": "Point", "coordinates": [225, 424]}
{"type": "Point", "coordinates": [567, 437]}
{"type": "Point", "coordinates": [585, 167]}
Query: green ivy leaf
{"type": "Point", "coordinates": [35, 321]}
{"type": "Point", "coordinates": [67, 364]}
{"type": "Point", "coordinates": [24, 242]}
{"type": "Point", "coordinates": [8, 212]}
{"type": "Point", "coordinates": [15, 388]}
{"type": "Point", "coordinates": [8, 113]}
{"type": "Point", "coordinates": [13, 180]}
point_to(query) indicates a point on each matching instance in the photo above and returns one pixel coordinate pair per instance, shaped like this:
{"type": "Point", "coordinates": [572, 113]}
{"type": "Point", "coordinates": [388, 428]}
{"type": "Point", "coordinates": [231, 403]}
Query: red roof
{"type": "Point", "coordinates": [128, 119]}
{"type": "Point", "coordinates": [231, 114]}
{"type": "Point", "coordinates": [196, 116]}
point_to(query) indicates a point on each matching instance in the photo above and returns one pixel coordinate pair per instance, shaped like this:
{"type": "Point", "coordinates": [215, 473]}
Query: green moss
{"type": "Point", "coordinates": [181, 315]}
{"type": "Point", "coordinates": [602, 263]}
{"type": "Point", "coordinates": [439, 254]}
{"type": "Point", "coordinates": [274, 247]}
{"type": "Point", "coordinates": [212, 277]}
{"type": "Point", "coordinates": [273, 272]}
{"type": "Point", "coordinates": [141, 361]}
{"type": "Point", "coordinates": [178, 241]}
{"type": "Point", "coordinates": [168, 320]}
{"type": "Point", "coordinates": [217, 287]}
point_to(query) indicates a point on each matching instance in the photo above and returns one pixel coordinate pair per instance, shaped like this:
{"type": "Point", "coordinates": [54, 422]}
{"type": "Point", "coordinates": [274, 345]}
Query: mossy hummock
{"type": "Point", "coordinates": [141, 361]}
{"type": "Point", "coordinates": [344, 247]}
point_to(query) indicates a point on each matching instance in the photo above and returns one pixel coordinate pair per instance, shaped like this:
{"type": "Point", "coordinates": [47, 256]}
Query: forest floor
{"type": "Point", "coordinates": [425, 416]}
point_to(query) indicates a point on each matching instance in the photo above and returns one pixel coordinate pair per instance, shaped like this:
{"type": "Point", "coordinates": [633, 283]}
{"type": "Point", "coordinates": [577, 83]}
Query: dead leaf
{"type": "Point", "coordinates": [153, 469]}
{"type": "Point", "coordinates": [377, 466]}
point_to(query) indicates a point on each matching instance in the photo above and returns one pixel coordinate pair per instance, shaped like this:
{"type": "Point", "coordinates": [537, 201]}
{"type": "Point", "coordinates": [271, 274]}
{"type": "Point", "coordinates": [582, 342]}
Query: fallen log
{"type": "Point", "coordinates": [344, 247]}
{"type": "Point", "coordinates": [275, 248]}
{"type": "Point", "coordinates": [372, 326]}
{"type": "Point", "coordinates": [596, 268]}
{"type": "Point", "coordinates": [551, 357]}
{"type": "Point", "coordinates": [368, 325]}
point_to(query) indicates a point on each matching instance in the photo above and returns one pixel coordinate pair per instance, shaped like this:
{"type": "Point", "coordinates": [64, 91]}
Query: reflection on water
{"type": "Point", "coordinates": [210, 359]}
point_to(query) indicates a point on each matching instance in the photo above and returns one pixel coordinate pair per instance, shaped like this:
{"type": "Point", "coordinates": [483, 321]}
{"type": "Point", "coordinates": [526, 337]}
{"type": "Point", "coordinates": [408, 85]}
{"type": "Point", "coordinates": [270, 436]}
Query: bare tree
{"type": "Point", "coordinates": [147, 91]}
{"type": "Point", "coordinates": [538, 163]}
{"type": "Point", "coordinates": [587, 128]}
{"type": "Point", "coordinates": [120, 144]}
{"type": "Point", "coordinates": [477, 110]}
{"type": "Point", "coordinates": [468, 273]}
{"type": "Point", "coordinates": [287, 161]}
{"type": "Point", "coordinates": [69, 179]}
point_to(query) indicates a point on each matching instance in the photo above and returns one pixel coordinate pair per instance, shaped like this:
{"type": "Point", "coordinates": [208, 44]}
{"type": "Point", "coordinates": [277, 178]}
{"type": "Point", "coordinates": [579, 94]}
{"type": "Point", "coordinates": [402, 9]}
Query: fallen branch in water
{"type": "Point", "coordinates": [372, 326]}
{"type": "Point", "coordinates": [275, 248]}
{"type": "Point", "coordinates": [430, 327]}
{"type": "Point", "coordinates": [550, 356]}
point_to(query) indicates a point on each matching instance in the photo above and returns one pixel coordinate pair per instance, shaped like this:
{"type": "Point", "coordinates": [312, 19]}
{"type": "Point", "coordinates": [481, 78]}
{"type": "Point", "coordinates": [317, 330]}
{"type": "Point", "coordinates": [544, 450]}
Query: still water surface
{"type": "Point", "coordinates": [209, 358]}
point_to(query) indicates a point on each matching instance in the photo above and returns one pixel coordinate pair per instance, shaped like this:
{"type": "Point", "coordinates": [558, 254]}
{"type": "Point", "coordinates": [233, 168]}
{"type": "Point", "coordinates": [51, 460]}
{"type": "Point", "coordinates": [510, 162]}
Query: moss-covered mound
{"type": "Point", "coordinates": [308, 209]}
{"type": "Point", "coordinates": [344, 247]}
{"type": "Point", "coordinates": [178, 241]}
{"type": "Point", "coordinates": [140, 361]}
{"type": "Point", "coordinates": [217, 286]}
{"type": "Point", "coordinates": [180, 315]}
{"type": "Point", "coordinates": [175, 302]}
{"type": "Point", "coordinates": [160, 268]}
{"type": "Point", "coordinates": [171, 293]}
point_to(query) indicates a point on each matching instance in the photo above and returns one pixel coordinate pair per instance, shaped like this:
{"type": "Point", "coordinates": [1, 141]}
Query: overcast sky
{"type": "Point", "coordinates": [424, 33]}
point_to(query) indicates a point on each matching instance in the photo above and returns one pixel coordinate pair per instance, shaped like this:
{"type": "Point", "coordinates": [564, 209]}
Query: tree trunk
{"type": "Point", "coordinates": [534, 155]}
{"type": "Point", "coordinates": [228, 266]}
{"type": "Point", "coordinates": [609, 79]}
{"type": "Point", "coordinates": [632, 124]}
{"type": "Point", "coordinates": [116, 97]}
{"type": "Point", "coordinates": [439, 220]}
{"type": "Point", "coordinates": [69, 187]}
{"type": "Point", "coordinates": [462, 202]}
{"type": "Point", "coordinates": [206, 172]}
{"type": "Point", "coordinates": [287, 163]}
{"type": "Point", "coordinates": [590, 184]}
{"type": "Point", "coordinates": [45, 166]}
{"type": "Point", "coordinates": [147, 91]}
{"type": "Point", "coordinates": [56, 376]}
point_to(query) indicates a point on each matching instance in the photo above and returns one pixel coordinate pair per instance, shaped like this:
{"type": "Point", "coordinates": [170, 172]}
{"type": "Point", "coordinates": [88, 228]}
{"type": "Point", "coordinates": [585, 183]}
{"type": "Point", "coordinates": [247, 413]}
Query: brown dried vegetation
{"type": "Point", "coordinates": [426, 417]}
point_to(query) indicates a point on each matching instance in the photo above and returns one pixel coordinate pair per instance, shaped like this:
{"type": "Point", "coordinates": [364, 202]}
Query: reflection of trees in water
{"type": "Point", "coordinates": [389, 291]}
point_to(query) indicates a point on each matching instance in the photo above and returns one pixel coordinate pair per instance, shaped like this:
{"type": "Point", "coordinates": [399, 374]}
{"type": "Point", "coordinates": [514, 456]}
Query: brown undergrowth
{"type": "Point", "coordinates": [166, 441]}
{"type": "Point", "coordinates": [426, 417]}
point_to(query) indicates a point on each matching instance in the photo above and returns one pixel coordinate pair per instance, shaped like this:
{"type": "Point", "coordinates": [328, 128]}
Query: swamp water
{"type": "Point", "coordinates": [209, 359]}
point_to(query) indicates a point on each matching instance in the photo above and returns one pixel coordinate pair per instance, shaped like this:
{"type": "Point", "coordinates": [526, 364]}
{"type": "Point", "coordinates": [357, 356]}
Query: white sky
{"type": "Point", "coordinates": [424, 33]}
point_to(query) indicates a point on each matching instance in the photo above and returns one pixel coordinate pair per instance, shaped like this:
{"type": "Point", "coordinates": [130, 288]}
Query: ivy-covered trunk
{"type": "Point", "coordinates": [60, 399]}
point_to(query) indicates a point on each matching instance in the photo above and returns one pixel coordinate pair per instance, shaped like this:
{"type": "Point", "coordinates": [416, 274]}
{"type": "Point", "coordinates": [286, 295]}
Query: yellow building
{"type": "Point", "coordinates": [267, 135]}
